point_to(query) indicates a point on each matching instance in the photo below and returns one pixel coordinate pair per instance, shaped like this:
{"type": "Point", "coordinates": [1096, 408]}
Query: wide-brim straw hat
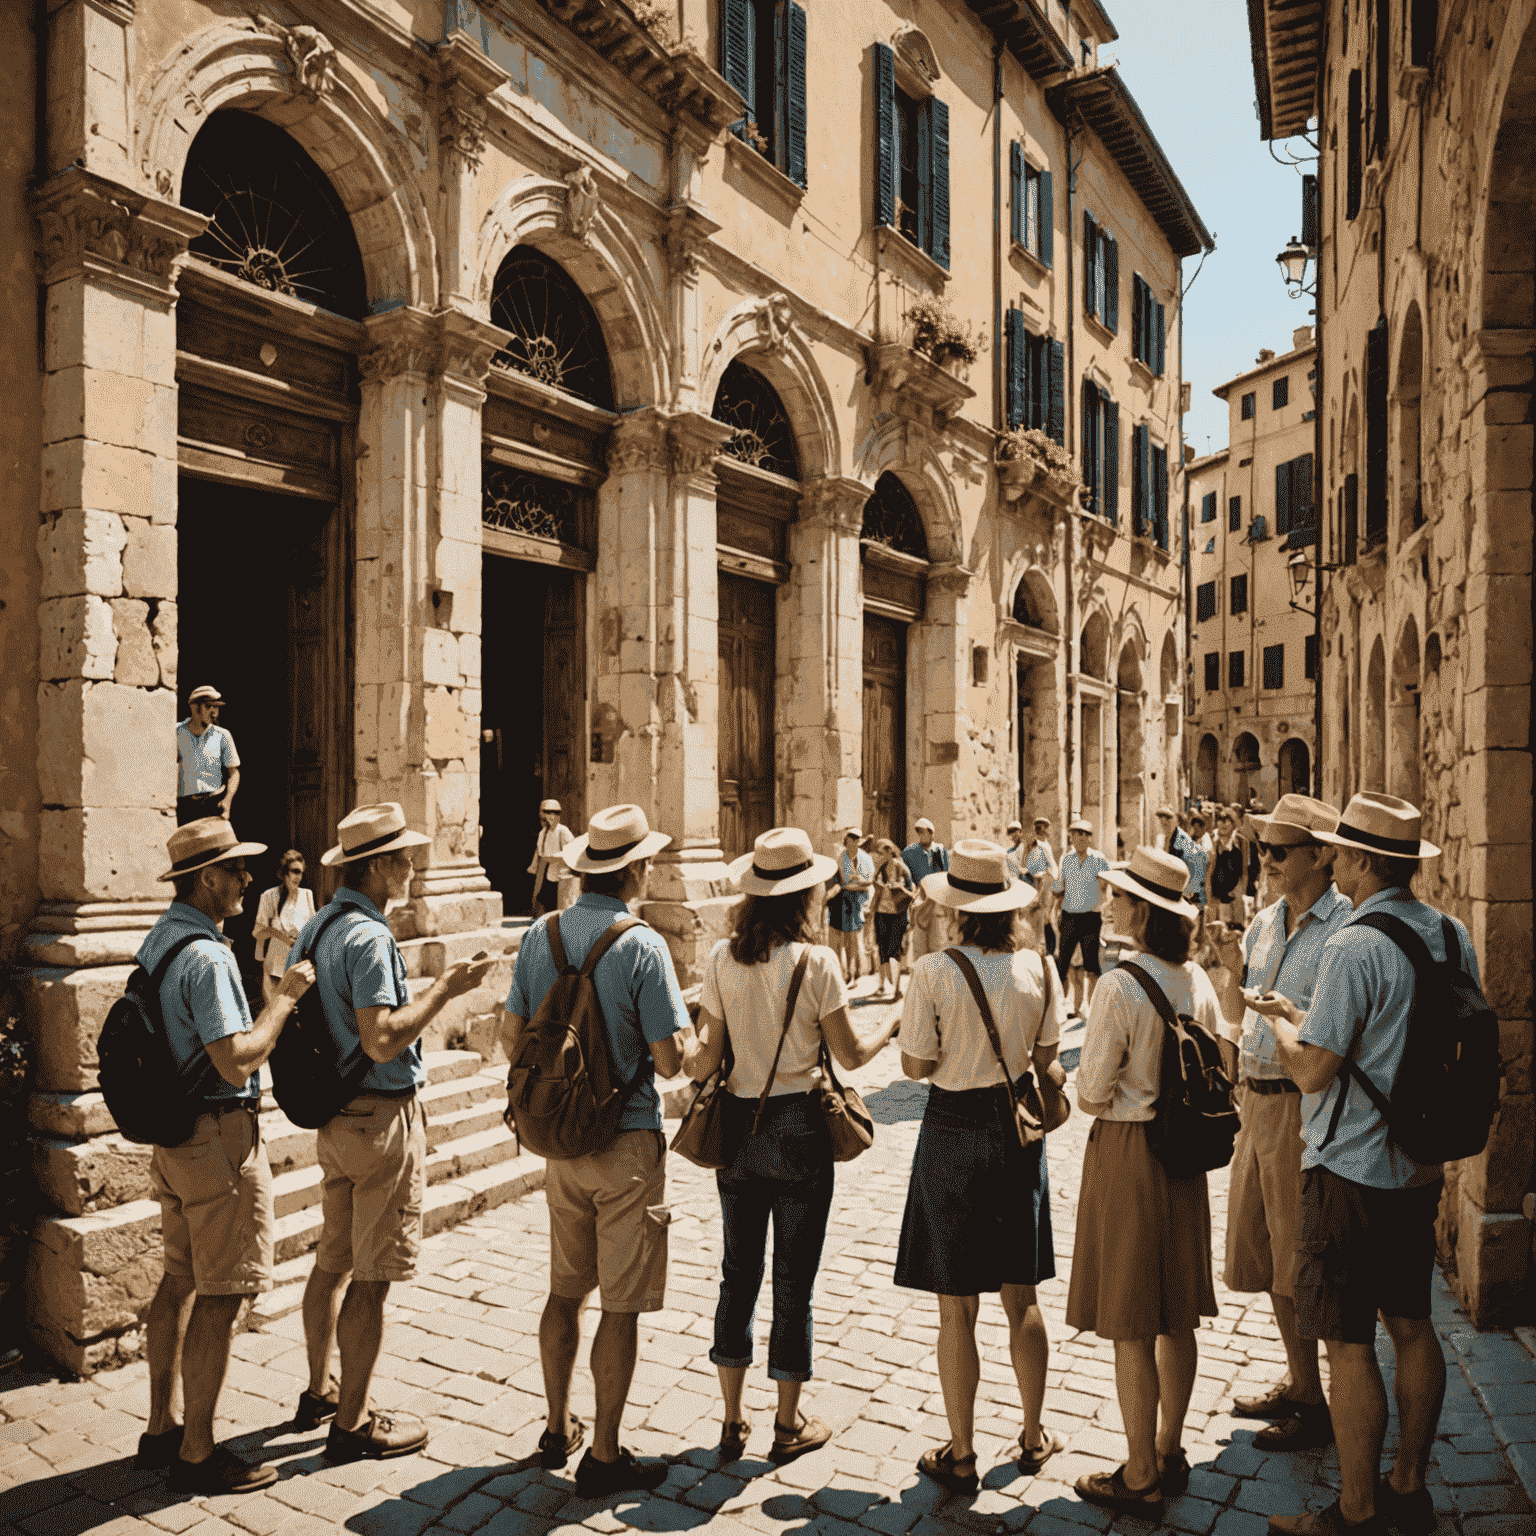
{"type": "Point", "coordinates": [1297, 818]}
{"type": "Point", "coordinates": [615, 836]}
{"type": "Point", "coordinates": [208, 840]}
{"type": "Point", "coordinates": [782, 860]}
{"type": "Point", "coordinates": [978, 880]}
{"type": "Point", "coordinates": [369, 831]}
{"type": "Point", "coordinates": [1374, 823]}
{"type": "Point", "coordinates": [1152, 875]}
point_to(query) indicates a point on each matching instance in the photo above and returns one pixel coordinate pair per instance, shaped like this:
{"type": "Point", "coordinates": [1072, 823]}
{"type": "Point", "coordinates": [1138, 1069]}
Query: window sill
{"type": "Point", "coordinates": [1144, 375]}
{"type": "Point", "coordinates": [1031, 261]}
{"type": "Point", "coordinates": [1096, 327]}
{"type": "Point", "coordinates": [1147, 542]}
{"type": "Point", "coordinates": [787, 195]}
{"type": "Point", "coordinates": [918, 264]}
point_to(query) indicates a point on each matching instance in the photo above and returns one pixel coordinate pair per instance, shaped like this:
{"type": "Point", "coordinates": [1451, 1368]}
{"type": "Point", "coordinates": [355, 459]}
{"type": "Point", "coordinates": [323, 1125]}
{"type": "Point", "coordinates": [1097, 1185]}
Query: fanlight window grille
{"type": "Point", "coordinates": [517, 502]}
{"type": "Point", "coordinates": [276, 221]}
{"type": "Point", "coordinates": [891, 518]}
{"type": "Point", "coordinates": [556, 337]}
{"type": "Point", "coordinates": [1025, 609]}
{"type": "Point", "coordinates": [763, 436]}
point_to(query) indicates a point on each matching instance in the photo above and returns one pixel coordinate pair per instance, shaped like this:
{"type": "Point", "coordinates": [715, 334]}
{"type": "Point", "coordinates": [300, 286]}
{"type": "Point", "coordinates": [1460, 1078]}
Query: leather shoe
{"type": "Point", "coordinates": [1274, 1404]}
{"type": "Point", "coordinates": [158, 1450]}
{"type": "Point", "coordinates": [1411, 1513]}
{"type": "Point", "coordinates": [313, 1410]}
{"type": "Point", "coordinates": [1325, 1522]}
{"type": "Point", "coordinates": [597, 1479]}
{"type": "Point", "coordinates": [1304, 1431]}
{"type": "Point", "coordinates": [382, 1436]}
{"type": "Point", "coordinates": [222, 1472]}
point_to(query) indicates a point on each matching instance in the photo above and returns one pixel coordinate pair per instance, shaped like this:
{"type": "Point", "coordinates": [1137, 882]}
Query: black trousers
{"type": "Point", "coordinates": [193, 807]}
{"type": "Point", "coordinates": [1079, 928]}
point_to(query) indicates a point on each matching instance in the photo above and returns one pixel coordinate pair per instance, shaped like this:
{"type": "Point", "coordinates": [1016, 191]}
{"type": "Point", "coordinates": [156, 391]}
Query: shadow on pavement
{"type": "Point", "coordinates": [898, 1100]}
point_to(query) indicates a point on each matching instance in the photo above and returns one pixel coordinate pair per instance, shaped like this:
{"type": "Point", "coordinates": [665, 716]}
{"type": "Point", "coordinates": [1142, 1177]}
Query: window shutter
{"type": "Point", "coordinates": [736, 48]}
{"type": "Point", "coordinates": [1109, 497]}
{"type": "Point", "coordinates": [1047, 218]}
{"type": "Point", "coordinates": [1351, 518]}
{"type": "Point", "coordinates": [1018, 386]}
{"type": "Point", "coordinates": [1235, 515]}
{"type": "Point", "coordinates": [1138, 319]}
{"type": "Point", "coordinates": [1143, 509]}
{"type": "Point", "coordinates": [1090, 262]}
{"type": "Point", "coordinates": [1376, 433]}
{"type": "Point", "coordinates": [938, 179]}
{"type": "Point", "coordinates": [1091, 442]}
{"type": "Point", "coordinates": [885, 132]}
{"type": "Point", "coordinates": [1283, 498]}
{"type": "Point", "coordinates": [1056, 394]}
{"type": "Point", "coordinates": [1383, 82]}
{"type": "Point", "coordinates": [1208, 507]}
{"type": "Point", "coordinates": [1354, 148]}
{"type": "Point", "coordinates": [1158, 358]}
{"type": "Point", "coordinates": [1160, 496]}
{"type": "Point", "coordinates": [795, 95]}
{"type": "Point", "coordinates": [1301, 492]}
{"type": "Point", "coordinates": [1016, 180]}
{"type": "Point", "coordinates": [1111, 282]}
{"type": "Point", "coordinates": [1309, 212]}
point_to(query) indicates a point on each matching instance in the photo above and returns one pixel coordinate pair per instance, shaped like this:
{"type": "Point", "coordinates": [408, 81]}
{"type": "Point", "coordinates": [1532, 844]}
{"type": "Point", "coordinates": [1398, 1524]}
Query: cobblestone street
{"type": "Point", "coordinates": [462, 1350]}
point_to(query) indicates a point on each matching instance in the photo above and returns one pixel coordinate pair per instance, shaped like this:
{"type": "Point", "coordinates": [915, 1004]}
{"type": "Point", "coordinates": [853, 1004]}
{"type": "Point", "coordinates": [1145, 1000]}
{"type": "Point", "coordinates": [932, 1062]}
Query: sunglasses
{"type": "Point", "coordinates": [1280, 851]}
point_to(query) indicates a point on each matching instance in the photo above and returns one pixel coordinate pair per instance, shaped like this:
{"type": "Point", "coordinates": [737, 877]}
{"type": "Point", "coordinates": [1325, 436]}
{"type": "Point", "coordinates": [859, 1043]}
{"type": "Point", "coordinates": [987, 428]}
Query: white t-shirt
{"type": "Point", "coordinates": [940, 1021]}
{"type": "Point", "coordinates": [1122, 1060]}
{"type": "Point", "coordinates": [751, 998]}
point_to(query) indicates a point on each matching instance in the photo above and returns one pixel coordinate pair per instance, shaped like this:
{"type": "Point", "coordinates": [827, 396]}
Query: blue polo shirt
{"type": "Point", "coordinates": [1077, 881]}
{"type": "Point", "coordinates": [924, 861]}
{"type": "Point", "coordinates": [636, 987]}
{"type": "Point", "coordinates": [1039, 861]}
{"type": "Point", "coordinates": [359, 965]}
{"type": "Point", "coordinates": [1186, 848]}
{"type": "Point", "coordinates": [201, 997]}
{"type": "Point", "coordinates": [201, 761]}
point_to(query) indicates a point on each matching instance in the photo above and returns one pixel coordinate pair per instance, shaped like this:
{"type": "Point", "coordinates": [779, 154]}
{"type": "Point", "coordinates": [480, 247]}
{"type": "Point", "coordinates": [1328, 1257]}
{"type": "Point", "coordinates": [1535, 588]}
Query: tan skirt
{"type": "Point", "coordinates": [1141, 1261]}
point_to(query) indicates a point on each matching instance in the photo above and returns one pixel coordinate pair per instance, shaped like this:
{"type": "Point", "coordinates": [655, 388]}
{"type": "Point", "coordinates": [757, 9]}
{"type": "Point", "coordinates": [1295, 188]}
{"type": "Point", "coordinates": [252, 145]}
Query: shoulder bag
{"type": "Point", "coordinates": [850, 1126]}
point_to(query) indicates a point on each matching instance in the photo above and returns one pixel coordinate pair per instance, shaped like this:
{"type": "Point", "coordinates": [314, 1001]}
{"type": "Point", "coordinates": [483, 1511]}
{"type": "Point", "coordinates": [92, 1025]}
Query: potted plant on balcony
{"type": "Point", "coordinates": [940, 334]}
{"type": "Point", "coordinates": [1030, 462]}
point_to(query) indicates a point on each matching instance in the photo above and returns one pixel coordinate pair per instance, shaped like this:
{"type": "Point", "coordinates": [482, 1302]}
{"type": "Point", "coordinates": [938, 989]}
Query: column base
{"type": "Point", "coordinates": [689, 902]}
{"type": "Point", "coordinates": [445, 899]}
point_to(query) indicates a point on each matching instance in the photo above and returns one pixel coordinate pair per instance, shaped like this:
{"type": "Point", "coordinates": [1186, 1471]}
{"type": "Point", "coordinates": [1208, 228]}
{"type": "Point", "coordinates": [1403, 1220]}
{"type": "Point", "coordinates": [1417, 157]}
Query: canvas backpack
{"type": "Point", "coordinates": [561, 1098]}
{"type": "Point", "coordinates": [1195, 1121]}
{"type": "Point", "coordinates": [1446, 1091]}
{"type": "Point", "coordinates": [154, 1101]}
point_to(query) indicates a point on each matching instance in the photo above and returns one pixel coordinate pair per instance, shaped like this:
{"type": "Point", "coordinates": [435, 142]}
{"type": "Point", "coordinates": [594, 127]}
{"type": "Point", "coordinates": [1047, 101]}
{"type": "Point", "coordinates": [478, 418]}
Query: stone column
{"type": "Point", "coordinates": [466, 78]}
{"type": "Point", "coordinates": [939, 730]}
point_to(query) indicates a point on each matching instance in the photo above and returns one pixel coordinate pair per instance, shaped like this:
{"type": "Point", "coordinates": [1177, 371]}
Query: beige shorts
{"type": "Point", "coordinates": [608, 1225]}
{"type": "Point", "coordinates": [373, 1158]}
{"type": "Point", "coordinates": [1264, 1195]}
{"type": "Point", "coordinates": [215, 1194]}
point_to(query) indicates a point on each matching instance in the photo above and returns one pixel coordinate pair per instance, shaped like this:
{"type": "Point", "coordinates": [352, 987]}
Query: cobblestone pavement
{"type": "Point", "coordinates": [462, 1350]}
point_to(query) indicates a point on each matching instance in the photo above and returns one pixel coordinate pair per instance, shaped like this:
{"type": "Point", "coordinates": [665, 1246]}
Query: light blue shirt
{"type": "Point", "coordinates": [1274, 963]}
{"type": "Point", "coordinates": [636, 987]}
{"type": "Point", "coordinates": [1186, 848]}
{"type": "Point", "coordinates": [924, 861]}
{"type": "Point", "coordinates": [359, 965]}
{"type": "Point", "coordinates": [201, 760]}
{"type": "Point", "coordinates": [202, 999]}
{"type": "Point", "coordinates": [854, 902]}
{"type": "Point", "coordinates": [1039, 862]}
{"type": "Point", "coordinates": [1364, 979]}
{"type": "Point", "coordinates": [1078, 880]}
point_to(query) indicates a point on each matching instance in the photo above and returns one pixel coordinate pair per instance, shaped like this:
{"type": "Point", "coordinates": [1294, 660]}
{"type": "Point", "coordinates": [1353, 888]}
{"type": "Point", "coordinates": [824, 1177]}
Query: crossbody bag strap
{"type": "Point", "coordinates": [1155, 994]}
{"type": "Point", "coordinates": [979, 993]}
{"type": "Point", "coordinates": [191, 1072]}
{"type": "Point", "coordinates": [606, 941]}
{"type": "Point", "coordinates": [789, 1014]}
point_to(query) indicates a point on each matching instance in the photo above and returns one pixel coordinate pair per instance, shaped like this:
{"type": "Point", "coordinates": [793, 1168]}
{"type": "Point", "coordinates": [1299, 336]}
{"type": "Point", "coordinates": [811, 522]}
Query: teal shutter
{"type": "Point", "coordinates": [1047, 218]}
{"type": "Point", "coordinates": [1309, 212]}
{"type": "Point", "coordinates": [1016, 180]}
{"type": "Point", "coordinates": [736, 50]}
{"type": "Point", "coordinates": [1283, 498]}
{"type": "Point", "coordinates": [1160, 496]}
{"type": "Point", "coordinates": [1138, 319]}
{"type": "Point", "coordinates": [1111, 282]}
{"type": "Point", "coordinates": [1141, 495]}
{"type": "Point", "coordinates": [1090, 263]}
{"type": "Point", "coordinates": [795, 96]}
{"type": "Point", "coordinates": [1056, 393]}
{"type": "Point", "coordinates": [1159, 341]}
{"type": "Point", "coordinates": [885, 133]}
{"type": "Point", "coordinates": [1109, 497]}
{"type": "Point", "coordinates": [1018, 377]}
{"type": "Point", "coordinates": [938, 179]}
{"type": "Point", "coordinates": [1090, 436]}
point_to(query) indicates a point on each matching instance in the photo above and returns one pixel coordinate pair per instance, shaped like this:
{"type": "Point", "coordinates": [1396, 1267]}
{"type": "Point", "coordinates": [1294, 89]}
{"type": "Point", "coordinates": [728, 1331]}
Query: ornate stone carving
{"type": "Point", "coordinates": [312, 55]}
{"type": "Point", "coordinates": [82, 218]}
{"type": "Point", "coordinates": [688, 227]}
{"type": "Point", "coordinates": [775, 322]}
{"type": "Point", "coordinates": [461, 132]}
{"type": "Point", "coordinates": [913, 49]}
{"type": "Point", "coordinates": [835, 502]}
{"type": "Point", "coordinates": [581, 199]}
{"type": "Point", "coordinates": [448, 344]}
{"type": "Point", "coordinates": [695, 440]}
{"type": "Point", "coordinates": [637, 443]}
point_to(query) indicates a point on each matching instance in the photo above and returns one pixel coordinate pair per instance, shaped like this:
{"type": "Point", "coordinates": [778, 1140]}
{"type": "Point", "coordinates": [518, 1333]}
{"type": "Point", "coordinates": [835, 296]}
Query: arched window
{"type": "Point", "coordinates": [1093, 647]}
{"type": "Point", "coordinates": [556, 337]}
{"type": "Point", "coordinates": [763, 437]}
{"type": "Point", "coordinates": [891, 518]}
{"type": "Point", "coordinates": [276, 220]}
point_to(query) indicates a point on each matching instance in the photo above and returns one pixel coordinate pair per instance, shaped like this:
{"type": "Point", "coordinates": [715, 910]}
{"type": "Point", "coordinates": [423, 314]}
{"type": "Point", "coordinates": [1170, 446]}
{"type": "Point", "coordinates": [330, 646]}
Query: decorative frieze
{"type": "Point", "coordinates": [447, 343]}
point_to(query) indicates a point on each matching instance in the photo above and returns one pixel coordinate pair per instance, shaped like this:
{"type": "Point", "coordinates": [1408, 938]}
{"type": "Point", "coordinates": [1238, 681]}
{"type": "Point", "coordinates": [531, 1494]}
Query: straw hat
{"type": "Point", "coordinates": [550, 805]}
{"type": "Point", "coordinates": [371, 830]}
{"type": "Point", "coordinates": [1014, 826]}
{"type": "Point", "coordinates": [922, 824]}
{"type": "Point", "coordinates": [1376, 823]}
{"type": "Point", "coordinates": [208, 840]}
{"type": "Point", "coordinates": [978, 880]}
{"type": "Point", "coordinates": [1298, 818]}
{"type": "Point", "coordinates": [615, 836]}
{"type": "Point", "coordinates": [1152, 875]}
{"type": "Point", "coordinates": [205, 695]}
{"type": "Point", "coordinates": [782, 860]}
{"type": "Point", "coordinates": [1082, 824]}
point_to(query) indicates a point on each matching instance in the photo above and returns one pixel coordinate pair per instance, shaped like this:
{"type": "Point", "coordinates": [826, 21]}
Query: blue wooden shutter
{"type": "Point", "coordinates": [1016, 180]}
{"type": "Point", "coordinates": [1142, 474]}
{"type": "Point", "coordinates": [938, 179]}
{"type": "Point", "coordinates": [1138, 319]}
{"type": "Point", "coordinates": [736, 50]}
{"type": "Point", "coordinates": [1018, 376]}
{"type": "Point", "coordinates": [1056, 393]}
{"type": "Point", "coordinates": [1090, 262]}
{"type": "Point", "coordinates": [1208, 507]}
{"type": "Point", "coordinates": [1047, 218]}
{"type": "Point", "coordinates": [1160, 496]}
{"type": "Point", "coordinates": [1109, 496]}
{"type": "Point", "coordinates": [1309, 212]}
{"type": "Point", "coordinates": [795, 96]}
{"type": "Point", "coordinates": [1111, 282]}
{"type": "Point", "coordinates": [1090, 436]}
{"type": "Point", "coordinates": [1160, 341]}
{"type": "Point", "coordinates": [1283, 498]}
{"type": "Point", "coordinates": [885, 135]}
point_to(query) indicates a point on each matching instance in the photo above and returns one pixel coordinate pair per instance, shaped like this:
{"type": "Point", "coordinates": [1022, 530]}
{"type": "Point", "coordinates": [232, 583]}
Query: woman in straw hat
{"type": "Point", "coordinates": [1141, 1262]}
{"type": "Point", "coordinates": [894, 890]}
{"type": "Point", "coordinates": [978, 1214]}
{"type": "Point", "coordinates": [781, 1163]}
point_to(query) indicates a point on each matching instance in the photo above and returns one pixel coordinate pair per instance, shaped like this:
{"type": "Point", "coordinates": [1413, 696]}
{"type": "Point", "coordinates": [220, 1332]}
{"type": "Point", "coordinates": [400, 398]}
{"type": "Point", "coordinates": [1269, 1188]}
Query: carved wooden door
{"type": "Point", "coordinates": [565, 697]}
{"type": "Point", "coordinates": [745, 751]}
{"type": "Point", "coordinates": [885, 687]}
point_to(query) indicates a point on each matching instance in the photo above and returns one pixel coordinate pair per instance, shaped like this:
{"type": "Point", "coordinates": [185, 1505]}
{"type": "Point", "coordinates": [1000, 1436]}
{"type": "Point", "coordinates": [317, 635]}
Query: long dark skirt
{"type": "Point", "coordinates": [978, 1213]}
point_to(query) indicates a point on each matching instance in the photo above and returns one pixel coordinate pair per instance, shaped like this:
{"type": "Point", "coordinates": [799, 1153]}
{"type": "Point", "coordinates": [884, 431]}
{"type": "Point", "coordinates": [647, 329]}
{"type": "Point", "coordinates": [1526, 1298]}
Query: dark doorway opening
{"type": "Point", "coordinates": [746, 712]}
{"type": "Point", "coordinates": [885, 736]}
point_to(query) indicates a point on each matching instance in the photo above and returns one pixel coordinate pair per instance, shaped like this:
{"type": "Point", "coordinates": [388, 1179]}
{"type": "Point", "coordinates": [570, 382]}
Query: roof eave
{"type": "Point", "coordinates": [1284, 359]}
{"type": "Point", "coordinates": [1285, 38]}
{"type": "Point", "coordinates": [1023, 29]}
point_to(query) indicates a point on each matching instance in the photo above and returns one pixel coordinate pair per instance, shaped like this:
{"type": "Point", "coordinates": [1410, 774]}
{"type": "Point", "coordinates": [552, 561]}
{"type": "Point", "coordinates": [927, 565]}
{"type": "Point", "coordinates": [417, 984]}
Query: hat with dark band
{"type": "Point", "coordinates": [205, 695]}
{"type": "Point", "coordinates": [1374, 823]}
{"type": "Point", "coordinates": [1082, 824]}
{"type": "Point", "coordinates": [615, 836]}
{"type": "Point", "coordinates": [782, 860]}
{"type": "Point", "coordinates": [550, 805]}
{"type": "Point", "coordinates": [1295, 819]}
{"type": "Point", "coordinates": [978, 880]}
{"type": "Point", "coordinates": [1152, 875]}
{"type": "Point", "coordinates": [369, 831]}
{"type": "Point", "coordinates": [208, 840]}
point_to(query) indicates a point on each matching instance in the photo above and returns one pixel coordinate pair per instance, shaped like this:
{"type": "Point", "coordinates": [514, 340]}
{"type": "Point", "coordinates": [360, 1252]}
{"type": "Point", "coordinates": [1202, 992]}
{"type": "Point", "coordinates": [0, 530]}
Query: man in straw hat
{"type": "Point", "coordinates": [207, 764]}
{"type": "Point", "coordinates": [373, 1154]}
{"type": "Point", "coordinates": [215, 1190]}
{"type": "Point", "coordinates": [1077, 883]}
{"type": "Point", "coordinates": [932, 928]}
{"type": "Point", "coordinates": [1279, 953]}
{"type": "Point", "coordinates": [1041, 869]}
{"type": "Point", "coordinates": [547, 867]}
{"type": "Point", "coordinates": [607, 1220]}
{"type": "Point", "coordinates": [1368, 1210]}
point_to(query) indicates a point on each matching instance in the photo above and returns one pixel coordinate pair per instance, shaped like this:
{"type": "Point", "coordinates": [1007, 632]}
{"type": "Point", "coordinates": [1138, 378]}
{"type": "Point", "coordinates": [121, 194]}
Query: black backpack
{"type": "Point", "coordinates": [311, 1086]}
{"type": "Point", "coordinates": [1446, 1091]}
{"type": "Point", "coordinates": [1195, 1122]}
{"type": "Point", "coordinates": [154, 1101]}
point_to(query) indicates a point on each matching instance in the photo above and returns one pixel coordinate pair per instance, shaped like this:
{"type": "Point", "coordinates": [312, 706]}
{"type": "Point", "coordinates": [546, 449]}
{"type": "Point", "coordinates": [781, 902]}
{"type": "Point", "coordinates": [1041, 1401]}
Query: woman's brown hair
{"type": "Point", "coordinates": [1168, 936]}
{"type": "Point", "coordinates": [762, 923]}
{"type": "Point", "coordinates": [993, 930]}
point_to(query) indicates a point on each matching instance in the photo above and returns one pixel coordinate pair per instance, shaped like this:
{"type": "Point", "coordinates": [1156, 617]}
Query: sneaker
{"type": "Point", "coordinates": [597, 1479]}
{"type": "Point", "coordinates": [383, 1436]}
{"type": "Point", "coordinates": [1411, 1513]}
{"type": "Point", "coordinates": [1304, 1431]}
{"type": "Point", "coordinates": [313, 1410]}
{"type": "Point", "coordinates": [158, 1450]}
{"type": "Point", "coordinates": [222, 1472]}
{"type": "Point", "coordinates": [1325, 1522]}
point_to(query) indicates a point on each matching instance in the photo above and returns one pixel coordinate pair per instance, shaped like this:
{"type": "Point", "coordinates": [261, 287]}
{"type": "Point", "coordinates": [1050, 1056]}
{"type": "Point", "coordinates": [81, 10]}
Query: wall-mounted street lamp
{"type": "Point", "coordinates": [1292, 262]}
{"type": "Point", "coordinates": [1299, 568]}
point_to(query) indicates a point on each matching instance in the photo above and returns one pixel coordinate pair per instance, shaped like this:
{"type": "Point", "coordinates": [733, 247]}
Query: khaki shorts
{"type": "Point", "coordinates": [608, 1226]}
{"type": "Point", "coordinates": [215, 1194]}
{"type": "Point", "coordinates": [1264, 1195]}
{"type": "Point", "coordinates": [373, 1158]}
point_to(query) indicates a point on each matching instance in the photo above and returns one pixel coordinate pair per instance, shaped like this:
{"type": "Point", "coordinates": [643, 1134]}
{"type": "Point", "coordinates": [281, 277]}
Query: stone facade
{"type": "Point", "coordinates": [1427, 309]}
{"type": "Point", "coordinates": [1250, 519]}
{"type": "Point", "coordinates": [1034, 642]}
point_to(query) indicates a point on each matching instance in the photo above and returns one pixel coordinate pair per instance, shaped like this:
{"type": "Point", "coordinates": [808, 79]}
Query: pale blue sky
{"type": "Point", "coordinates": [1188, 65]}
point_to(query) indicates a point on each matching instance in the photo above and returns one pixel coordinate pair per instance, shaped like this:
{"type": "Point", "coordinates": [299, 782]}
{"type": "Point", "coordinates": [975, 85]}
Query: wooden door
{"type": "Point", "coordinates": [745, 751]}
{"type": "Point", "coordinates": [885, 689]}
{"type": "Point", "coordinates": [565, 696]}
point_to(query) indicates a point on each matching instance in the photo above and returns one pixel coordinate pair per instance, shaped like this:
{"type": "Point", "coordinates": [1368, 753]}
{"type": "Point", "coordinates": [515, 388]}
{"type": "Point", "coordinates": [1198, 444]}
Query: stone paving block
{"type": "Point", "coordinates": [386, 1516]}
{"type": "Point", "coordinates": [1496, 1525]}
{"type": "Point", "coordinates": [70, 1518]}
{"type": "Point", "coordinates": [1236, 1522]}
{"type": "Point", "coordinates": [889, 1519]}
{"type": "Point", "coordinates": [1492, 1499]}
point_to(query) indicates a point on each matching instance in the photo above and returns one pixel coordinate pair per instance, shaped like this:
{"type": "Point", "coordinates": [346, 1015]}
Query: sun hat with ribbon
{"type": "Point", "coordinates": [978, 880]}
{"type": "Point", "coordinates": [371, 830]}
{"type": "Point", "coordinates": [1295, 819]}
{"type": "Point", "coordinates": [1082, 824]}
{"type": "Point", "coordinates": [1375, 823]}
{"type": "Point", "coordinates": [782, 860]}
{"type": "Point", "coordinates": [1152, 875]}
{"type": "Point", "coordinates": [208, 840]}
{"type": "Point", "coordinates": [616, 835]}
{"type": "Point", "coordinates": [205, 695]}
{"type": "Point", "coordinates": [550, 805]}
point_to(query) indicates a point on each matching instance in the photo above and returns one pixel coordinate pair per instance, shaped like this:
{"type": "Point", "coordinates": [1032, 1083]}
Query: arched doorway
{"type": "Point", "coordinates": [1373, 732]}
{"type": "Point", "coordinates": [267, 337]}
{"type": "Point", "coordinates": [1096, 796]}
{"type": "Point", "coordinates": [1404, 753]}
{"type": "Point", "coordinates": [1130, 749]}
{"type": "Point", "coordinates": [1295, 768]}
{"type": "Point", "coordinates": [1171, 692]}
{"type": "Point", "coordinates": [547, 416]}
{"type": "Point", "coordinates": [1246, 767]}
{"type": "Point", "coordinates": [1410, 372]}
{"type": "Point", "coordinates": [1038, 726]}
{"type": "Point", "coordinates": [758, 472]}
{"type": "Point", "coordinates": [1205, 767]}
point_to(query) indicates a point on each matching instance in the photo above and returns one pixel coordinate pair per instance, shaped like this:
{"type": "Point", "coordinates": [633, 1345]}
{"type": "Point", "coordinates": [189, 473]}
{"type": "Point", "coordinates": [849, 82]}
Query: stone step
{"type": "Point", "coordinates": [431, 957]}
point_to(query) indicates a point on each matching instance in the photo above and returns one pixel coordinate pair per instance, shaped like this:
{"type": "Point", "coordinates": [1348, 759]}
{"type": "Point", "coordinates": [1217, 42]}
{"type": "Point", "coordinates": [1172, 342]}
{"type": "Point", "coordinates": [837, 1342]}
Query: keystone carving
{"type": "Point", "coordinates": [581, 199]}
{"type": "Point", "coordinates": [775, 322]}
{"type": "Point", "coordinates": [312, 55]}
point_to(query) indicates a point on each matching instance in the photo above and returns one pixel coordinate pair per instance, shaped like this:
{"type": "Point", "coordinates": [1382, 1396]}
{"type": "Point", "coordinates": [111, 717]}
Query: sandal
{"type": "Point", "coordinates": [555, 1450]}
{"type": "Point", "coordinates": [809, 1435]}
{"type": "Point", "coordinates": [944, 1469]}
{"type": "Point", "coordinates": [733, 1439]}
{"type": "Point", "coordinates": [1111, 1490]}
{"type": "Point", "coordinates": [1033, 1457]}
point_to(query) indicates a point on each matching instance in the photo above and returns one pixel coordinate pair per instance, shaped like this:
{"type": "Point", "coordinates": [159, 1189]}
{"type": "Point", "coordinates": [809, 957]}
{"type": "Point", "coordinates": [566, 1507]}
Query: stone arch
{"type": "Point", "coordinates": [1403, 715]}
{"type": "Point", "coordinates": [367, 160]}
{"type": "Point", "coordinates": [1207, 755]}
{"type": "Point", "coordinates": [609, 266]}
{"type": "Point", "coordinates": [1294, 763]}
{"type": "Point", "coordinates": [1373, 728]}
{"type": "Point", "coordinates": [1503, 274]}
{"type": "Point", "coordinates": [1408, 388]}
{"type": "Point", "coordinates": [917, 466]}
{"type": "Point", "coordinates": [1093, 646]}
{"type": "Point", "coordinates": [1247, 765]}
{"type": "Point", "coordinates": [753, 333]}
{"type": "Point", "coordinates": [1033, 600]}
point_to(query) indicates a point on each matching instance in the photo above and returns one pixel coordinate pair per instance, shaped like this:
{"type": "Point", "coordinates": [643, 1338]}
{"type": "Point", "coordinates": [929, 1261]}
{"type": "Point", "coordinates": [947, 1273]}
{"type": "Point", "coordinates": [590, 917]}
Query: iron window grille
{"type": "Point", "coordinates": [763, 436]}
{"type": "Point", "coordinates": [556, 337]}
{"type": "Point", "coordinates": [517, 502]}
{"type": "Point", "coordinates": [891, 518]}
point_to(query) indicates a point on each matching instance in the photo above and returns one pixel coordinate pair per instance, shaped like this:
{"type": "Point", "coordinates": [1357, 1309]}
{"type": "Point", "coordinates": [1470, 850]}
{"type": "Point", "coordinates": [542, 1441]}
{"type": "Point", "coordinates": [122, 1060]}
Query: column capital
{"type": "Point", "coordinates": [449, 343]}
{"type": "Point", "coordinates": [949, 578]}
{"type": "Point", "coordinates": [835, 502]}
{"type": "Point", "coordinates": [689, 228]}
{"type": "Point", "coordinates": [695, 439]}
{"type": "Point", "coordinates": [638, 442]}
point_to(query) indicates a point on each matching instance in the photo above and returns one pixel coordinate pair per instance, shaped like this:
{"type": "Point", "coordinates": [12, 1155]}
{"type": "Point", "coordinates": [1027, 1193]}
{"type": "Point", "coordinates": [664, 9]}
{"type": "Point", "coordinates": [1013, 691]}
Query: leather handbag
{"type": "Point", "coordinates": [850, 1126]}
{"type": "Point", "coordinates": [1036, 1113]}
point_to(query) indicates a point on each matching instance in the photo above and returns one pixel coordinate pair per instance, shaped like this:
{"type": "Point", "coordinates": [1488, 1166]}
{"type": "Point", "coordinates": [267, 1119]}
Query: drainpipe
{"type": "Point", "coordinates": [1069, 533]}
{"type": "Point", "coordinates": [1187, 690]}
